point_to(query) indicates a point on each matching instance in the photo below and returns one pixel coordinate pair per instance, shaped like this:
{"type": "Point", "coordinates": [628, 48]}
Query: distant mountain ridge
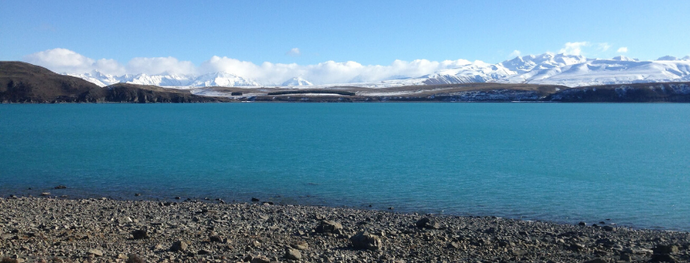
{"type": "Point", "coordinates": [220, 79]}
{"type": "Point", "coordinates": [548, 68]}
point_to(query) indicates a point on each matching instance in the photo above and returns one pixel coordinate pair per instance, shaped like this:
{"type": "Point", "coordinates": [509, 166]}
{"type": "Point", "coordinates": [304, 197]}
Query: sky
{"type": "Point", "coordinates": [187, 36]}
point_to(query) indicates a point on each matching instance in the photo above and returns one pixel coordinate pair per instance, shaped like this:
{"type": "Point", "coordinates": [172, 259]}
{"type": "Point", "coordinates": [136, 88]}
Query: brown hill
{"type": "Point", "coordinates": [26, 83]}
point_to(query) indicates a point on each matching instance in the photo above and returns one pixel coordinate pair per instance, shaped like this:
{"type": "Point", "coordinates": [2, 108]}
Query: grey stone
{"type": "Point", "coordinates": [364, 240]}
{"type": "Point", "coordinates": [291, 253]}
{"type": "Point", "coordinates": [328, 226]}
{"type": "Point", "coordinates": [428, 223]}
{"type": "Point", "coordinates": [260, 259]}
{"type": "Point", "coordinates": [131, 258]}
{"type": "Point", "coordinates": [179, 246]}
{"type": "Point", "coordinates": [663, 258]}
{"type": "Point", "coordinates": [140, 234]}
{"type": "Point", "coordinates": [301, 245]}
{"type": "Point", "coordinates": [96, 252]}
{"type": "Point", "coordinates": [665, 249]}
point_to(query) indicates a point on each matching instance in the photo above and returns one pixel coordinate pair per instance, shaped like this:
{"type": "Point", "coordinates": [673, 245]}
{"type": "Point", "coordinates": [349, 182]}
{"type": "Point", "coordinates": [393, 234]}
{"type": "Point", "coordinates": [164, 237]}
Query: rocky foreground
{"type": "Point", "coordinates": [100, 230]}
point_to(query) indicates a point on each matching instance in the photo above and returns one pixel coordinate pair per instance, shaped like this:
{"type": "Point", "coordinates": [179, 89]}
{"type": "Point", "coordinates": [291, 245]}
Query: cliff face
{"type": "Point", "coordinates": [122, 92]}
{"type": "Point", "coordinates": [643, 92]}
{"type": "Point", "coordinates": [25, 83]}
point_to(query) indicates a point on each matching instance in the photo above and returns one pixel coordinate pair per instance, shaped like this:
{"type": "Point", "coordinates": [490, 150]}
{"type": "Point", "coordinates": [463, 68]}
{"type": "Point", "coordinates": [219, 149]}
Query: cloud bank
{"type": "Point", "coordinates": [67, 61]}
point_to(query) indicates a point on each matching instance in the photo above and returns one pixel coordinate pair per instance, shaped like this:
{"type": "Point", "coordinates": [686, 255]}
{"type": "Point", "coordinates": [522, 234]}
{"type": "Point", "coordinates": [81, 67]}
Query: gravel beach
{"type": "Point", "coordinates": [47, 229]}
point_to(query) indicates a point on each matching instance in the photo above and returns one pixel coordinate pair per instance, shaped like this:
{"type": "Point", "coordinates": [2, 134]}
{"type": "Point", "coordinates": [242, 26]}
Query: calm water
{"type": "Point", "coordinates": [560, 162]}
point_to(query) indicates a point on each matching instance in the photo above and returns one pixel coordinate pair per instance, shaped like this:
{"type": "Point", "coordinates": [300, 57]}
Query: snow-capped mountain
{"type": "Point", "coordinates": [559, 69]}
{"type": "Point", "coordinates": [169, 80]}
{"type": "Point", "coordinates": [222, 79]}
{"type": "Point", "coordinates": [297, 81]}
{"type": "Point", "coordinates": [568, 70]}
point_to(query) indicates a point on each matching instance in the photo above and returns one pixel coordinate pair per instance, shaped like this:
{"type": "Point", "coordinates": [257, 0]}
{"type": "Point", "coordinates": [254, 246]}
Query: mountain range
{"type": "Point", "coordinates": [548, 68]}
{"type": "Point", "coordinates": [26, 83]}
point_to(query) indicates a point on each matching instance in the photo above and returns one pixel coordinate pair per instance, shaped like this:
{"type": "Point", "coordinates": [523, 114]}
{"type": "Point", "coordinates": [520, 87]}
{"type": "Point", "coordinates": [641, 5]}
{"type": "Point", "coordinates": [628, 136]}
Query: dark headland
{"type": "Point", "coordinates": [25, 83]}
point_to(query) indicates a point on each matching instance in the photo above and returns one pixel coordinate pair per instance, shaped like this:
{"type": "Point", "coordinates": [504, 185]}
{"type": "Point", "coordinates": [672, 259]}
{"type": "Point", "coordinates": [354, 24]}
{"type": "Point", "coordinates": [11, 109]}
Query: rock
{"type": "Point", "coordinates": [301, 245]}
{"type": "Point", "coordinates": [608, 228]}
{"type": "Point", "coordinates": [9, 260]}
{"type": "Point", "coordinates": [45, 194]}
{"type": "Point", "coordinates": [140, 234]}
{"type": "Point", "coordinates": [665, 249]}
{"type": "Point", "coordinates": [179, 246]}
{"type": "Point", "coordinates": [291, 253]}
{"type": "Point", "coordinates": [454, 245]}
{"type": "Point", "coordinates": [203, 252]}
{"type": "Point", "coordinates": [328, 226]}
{"type": "Point", "coordinates": [216, 239]}
{"type": "Point", "coordinates": [663, 258]}
{"type": "Point", "coordinates": [364, 240]}
{"type": "Point", "coordinates": [96, 252]}
{"type": "Point", "coordinates": [428, 223]}
{"type": "Point", "coordinates": [254, 199]}
{"type": "Point", "coordinates": [60, 187]}
{"type": "Point", "coordinates": [260, 259]}
{"type": "Point", "coordinates": [131, 258]}
{"type": "Point", "coordinates": [596, 260]}
{"type": "Point", "coordinates": [582, 223]}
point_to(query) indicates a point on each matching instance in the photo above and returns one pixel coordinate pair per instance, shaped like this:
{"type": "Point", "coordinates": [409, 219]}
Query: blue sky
{"type": "Point", "coordinates": [368, 32]}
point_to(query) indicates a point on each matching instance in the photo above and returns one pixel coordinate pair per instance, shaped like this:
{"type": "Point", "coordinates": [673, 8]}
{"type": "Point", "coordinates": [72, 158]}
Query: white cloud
{"type": "Point", "coordinates": [267, 73]}
{"type": "Point", "coordinates": [295, 52]}
{"type": "Point", "coordinates": [160, 65]}
{"type": "Point", "coordinates": [622, 50]}
{"type": "Point", "coordinates": [573, 48]}
{"type": "Point", "coordinates": [515, 53]}
{"type": "Point", "coordinates": [604, 46]}
{"type": "Point", "coordinates": [325, 72]}
{"type": "Point", "coordinates": [65, 60]}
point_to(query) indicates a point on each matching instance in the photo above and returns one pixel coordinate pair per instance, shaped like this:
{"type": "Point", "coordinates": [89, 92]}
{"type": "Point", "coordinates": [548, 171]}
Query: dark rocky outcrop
{"type": "Point", "coordinates": [640, 92]}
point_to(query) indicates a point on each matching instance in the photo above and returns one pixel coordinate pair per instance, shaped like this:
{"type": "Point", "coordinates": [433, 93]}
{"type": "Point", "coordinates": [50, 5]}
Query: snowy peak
{"type": "Point", "coordinates": [222, 79]}
{"type": "Point", "coordinates": [160, 80]}
{"type": "Point", "coordinates": [297, 81]}
{"type": "Point", "coordinates": [623, 58]}
{"type": "Point", "coordinates": [667, 58]}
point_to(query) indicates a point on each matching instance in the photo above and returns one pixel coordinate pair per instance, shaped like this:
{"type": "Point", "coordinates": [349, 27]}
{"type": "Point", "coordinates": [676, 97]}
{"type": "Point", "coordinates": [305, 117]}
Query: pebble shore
{"type": "Point", "coordinates": [47, 229]}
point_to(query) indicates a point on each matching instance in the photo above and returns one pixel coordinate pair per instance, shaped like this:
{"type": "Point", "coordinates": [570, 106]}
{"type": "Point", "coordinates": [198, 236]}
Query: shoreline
{"type": "Point", "coordinates": [72, 193]}
{"type": "Point", "coordinates": [85, 230]}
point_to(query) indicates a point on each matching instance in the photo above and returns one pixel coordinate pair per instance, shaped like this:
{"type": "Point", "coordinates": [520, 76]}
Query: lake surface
{"type": "Point", "coordinates": [629, 163]}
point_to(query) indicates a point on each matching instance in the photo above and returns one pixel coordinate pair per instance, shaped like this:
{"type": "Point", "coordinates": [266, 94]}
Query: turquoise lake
{"type": "Point", "coordinates": [629, 163]}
